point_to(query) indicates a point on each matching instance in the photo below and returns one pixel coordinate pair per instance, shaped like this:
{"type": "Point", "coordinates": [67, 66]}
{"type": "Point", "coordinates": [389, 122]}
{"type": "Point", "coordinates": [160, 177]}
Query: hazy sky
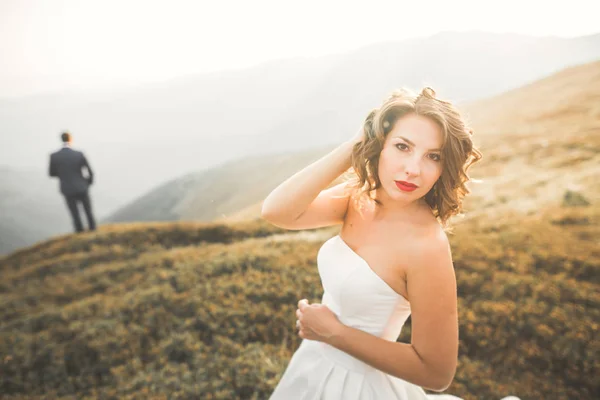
{"type": "Point", "coordinates": [56, 44]}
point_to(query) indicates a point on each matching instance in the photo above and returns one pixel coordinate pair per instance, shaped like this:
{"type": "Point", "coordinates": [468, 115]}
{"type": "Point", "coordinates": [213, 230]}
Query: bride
{"type": "Point", "coordinates": [391, 259]}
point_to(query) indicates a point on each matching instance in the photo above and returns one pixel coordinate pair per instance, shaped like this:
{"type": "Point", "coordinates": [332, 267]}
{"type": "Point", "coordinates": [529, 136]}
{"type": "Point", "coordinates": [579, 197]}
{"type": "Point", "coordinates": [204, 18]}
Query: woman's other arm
{"type": "Point", "coordinates": [430, 359]}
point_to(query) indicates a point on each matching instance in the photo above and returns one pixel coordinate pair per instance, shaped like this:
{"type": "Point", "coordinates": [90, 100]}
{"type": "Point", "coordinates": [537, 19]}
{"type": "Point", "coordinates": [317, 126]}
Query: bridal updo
{"type": "Point", "coordinates": [458, 152]}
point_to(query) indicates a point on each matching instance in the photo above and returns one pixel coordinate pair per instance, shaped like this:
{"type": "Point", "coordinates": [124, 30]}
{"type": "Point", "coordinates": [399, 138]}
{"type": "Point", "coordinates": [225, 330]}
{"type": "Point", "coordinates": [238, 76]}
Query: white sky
{"type": "Point", "coordinates": [57, 44]}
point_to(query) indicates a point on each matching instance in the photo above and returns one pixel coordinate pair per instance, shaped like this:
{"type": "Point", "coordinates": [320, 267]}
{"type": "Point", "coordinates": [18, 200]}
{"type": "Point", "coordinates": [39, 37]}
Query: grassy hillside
{"type": "Point", "coordinates": [207, 311]}
{"type": "Point", "coordinates": [539, 142]}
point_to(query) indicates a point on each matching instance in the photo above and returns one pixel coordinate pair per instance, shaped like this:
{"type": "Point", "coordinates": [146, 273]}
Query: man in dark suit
{"type": "Point", "coordinates": [66, 164]}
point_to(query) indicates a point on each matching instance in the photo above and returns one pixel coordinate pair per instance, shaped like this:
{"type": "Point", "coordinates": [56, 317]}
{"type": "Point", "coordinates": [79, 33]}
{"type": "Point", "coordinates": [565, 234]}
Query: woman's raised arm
{"type": "Point", "coordinates": [288, 201]}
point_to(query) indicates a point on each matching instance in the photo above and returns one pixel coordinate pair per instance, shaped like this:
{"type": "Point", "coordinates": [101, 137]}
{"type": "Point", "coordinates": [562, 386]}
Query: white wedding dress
{"type": "Point", "coordinates": [360, 299]}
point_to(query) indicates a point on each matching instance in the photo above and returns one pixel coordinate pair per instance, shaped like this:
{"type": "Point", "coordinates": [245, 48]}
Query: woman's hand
{"type": "Point", "coordinates": [316, 321]}
{"type": "Point", "coordinates": [359, 136]}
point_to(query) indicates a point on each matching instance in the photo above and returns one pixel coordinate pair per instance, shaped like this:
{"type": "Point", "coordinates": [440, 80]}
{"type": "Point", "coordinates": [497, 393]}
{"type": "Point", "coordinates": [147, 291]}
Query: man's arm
{"type": "Point", "coordinates": [52, 169]}
{"type": "Point", "coordinates": [90, 172]}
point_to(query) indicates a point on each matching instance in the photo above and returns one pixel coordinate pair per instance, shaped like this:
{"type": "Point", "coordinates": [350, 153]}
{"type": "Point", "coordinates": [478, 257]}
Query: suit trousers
{"type": "Point", "coordinates": [72, 202]}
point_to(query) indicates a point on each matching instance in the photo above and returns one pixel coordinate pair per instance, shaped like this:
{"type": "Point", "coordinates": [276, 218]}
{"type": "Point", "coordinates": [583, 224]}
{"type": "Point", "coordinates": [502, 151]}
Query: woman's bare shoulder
{"type": "Point", "coordinates": [426, 239]}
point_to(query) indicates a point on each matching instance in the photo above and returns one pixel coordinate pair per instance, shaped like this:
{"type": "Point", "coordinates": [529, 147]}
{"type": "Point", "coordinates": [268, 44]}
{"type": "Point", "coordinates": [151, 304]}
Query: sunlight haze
{"type": "Point", "coordinates": [62, 45]}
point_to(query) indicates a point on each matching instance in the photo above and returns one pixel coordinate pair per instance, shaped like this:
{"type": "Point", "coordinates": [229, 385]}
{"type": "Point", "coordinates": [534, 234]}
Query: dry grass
{"type": "Point", "coordinates": [126, 313]}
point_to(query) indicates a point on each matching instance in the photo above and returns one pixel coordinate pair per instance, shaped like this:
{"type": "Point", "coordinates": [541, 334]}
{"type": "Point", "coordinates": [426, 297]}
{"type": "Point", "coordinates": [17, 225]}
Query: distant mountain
{"type": "Point", "coordinates": [463, 67]}
{"type": "Point", "coordinates": [32, 208]}
{"type": "Point", "coordinates": [217, 193]}
{"type": "Point", "coordinates": [139, 138]}
{"type": "Point", "coordinates": [538, 141]}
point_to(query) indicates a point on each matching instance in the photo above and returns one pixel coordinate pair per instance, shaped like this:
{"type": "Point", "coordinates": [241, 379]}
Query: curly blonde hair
{"type": "Point", "coordinates": [458, 152]}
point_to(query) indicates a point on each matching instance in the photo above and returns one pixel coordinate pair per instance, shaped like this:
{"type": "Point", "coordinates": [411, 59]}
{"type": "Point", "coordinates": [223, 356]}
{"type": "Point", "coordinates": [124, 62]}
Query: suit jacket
{"type": "Point", "coordinates": [66, 164]}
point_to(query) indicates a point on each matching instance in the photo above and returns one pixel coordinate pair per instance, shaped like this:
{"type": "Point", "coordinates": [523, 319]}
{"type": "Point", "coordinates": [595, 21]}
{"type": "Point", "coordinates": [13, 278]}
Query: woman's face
{"type": "Point", "coordinates": [411, 154]}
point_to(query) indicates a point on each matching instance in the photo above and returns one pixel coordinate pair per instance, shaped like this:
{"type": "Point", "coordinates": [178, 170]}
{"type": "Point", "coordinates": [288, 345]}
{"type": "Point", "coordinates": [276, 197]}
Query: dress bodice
{"type": "Point", "coordinates": [363, 300]}
{"type": "Point", "coordinates": [356, 294]}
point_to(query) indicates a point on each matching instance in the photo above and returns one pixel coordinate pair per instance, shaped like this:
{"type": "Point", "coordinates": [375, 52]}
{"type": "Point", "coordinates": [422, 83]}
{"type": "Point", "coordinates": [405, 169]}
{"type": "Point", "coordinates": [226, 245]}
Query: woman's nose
{"type": "Point", "coordinates": [412, 168]}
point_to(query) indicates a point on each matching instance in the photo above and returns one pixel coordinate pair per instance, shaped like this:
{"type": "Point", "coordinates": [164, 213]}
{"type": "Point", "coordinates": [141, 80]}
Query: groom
{"type": "Point", "coordinates": [66, 164]}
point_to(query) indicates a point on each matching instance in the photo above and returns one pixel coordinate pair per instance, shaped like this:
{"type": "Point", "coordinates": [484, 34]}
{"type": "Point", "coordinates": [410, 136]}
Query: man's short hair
{"type": "Point", "coordinates": [65, 136]}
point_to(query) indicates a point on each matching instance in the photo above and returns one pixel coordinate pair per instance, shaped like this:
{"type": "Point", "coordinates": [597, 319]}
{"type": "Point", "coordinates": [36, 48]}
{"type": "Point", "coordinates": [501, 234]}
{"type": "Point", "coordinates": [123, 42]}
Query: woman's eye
{"type": "Point", "coordinates": [434, 157]}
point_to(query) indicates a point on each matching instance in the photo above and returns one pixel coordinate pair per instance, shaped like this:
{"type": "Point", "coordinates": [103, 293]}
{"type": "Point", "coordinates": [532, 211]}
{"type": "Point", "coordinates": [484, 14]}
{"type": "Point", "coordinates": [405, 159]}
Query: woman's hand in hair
{"type": "Point", "coordinates": [359, 137]}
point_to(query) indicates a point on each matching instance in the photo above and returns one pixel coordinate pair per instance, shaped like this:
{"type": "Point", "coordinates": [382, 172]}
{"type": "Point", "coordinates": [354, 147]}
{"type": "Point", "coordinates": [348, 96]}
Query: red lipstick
{"type": "Point", "coordinates": [406, 186]}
